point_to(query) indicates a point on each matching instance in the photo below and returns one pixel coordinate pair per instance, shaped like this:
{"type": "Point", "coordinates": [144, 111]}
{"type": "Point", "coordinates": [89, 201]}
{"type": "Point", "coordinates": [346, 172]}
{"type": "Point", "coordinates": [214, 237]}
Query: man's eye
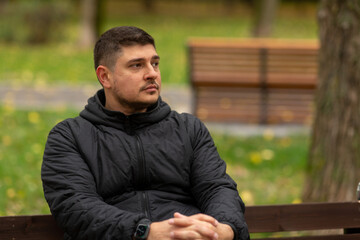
{"type": "Point", "coordinates": [136, 65]}
{"type": "Point", "coordinates": [155, 64]}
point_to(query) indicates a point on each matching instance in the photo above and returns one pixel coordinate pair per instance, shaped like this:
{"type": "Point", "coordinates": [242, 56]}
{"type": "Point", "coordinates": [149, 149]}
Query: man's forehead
{"type": "Point", "coordinates": [138, 51]}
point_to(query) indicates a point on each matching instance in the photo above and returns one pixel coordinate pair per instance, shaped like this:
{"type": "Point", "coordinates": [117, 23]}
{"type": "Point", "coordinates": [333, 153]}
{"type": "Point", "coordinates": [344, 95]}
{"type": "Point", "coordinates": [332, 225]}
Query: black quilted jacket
{"type": "Point", "coordinates": [103, 172]}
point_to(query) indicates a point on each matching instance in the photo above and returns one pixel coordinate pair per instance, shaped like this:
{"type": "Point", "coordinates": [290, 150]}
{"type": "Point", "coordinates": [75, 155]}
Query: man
{"type": "Point", "coordinates": [130, 168]}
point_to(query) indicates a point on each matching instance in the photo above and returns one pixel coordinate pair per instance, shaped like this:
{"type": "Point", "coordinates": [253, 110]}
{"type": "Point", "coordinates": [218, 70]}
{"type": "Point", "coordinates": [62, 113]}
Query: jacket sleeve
{"type": "Point", "coordinates": [215, 192]}
{"type": "Point", "coordinates": [70, 191]}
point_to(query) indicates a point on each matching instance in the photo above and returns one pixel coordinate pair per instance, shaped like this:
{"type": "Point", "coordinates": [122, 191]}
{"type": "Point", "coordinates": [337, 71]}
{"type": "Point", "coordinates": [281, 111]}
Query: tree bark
{"type": "Point", "coordinates": [334, 158]}
{"type": "Point", "coordinates": [91, 11]}
{"type": "Point", "coordinates": [148, 5]}
{"type": "Point", "coordinates": [265, 12]}
{"type": "Point", "coordinates": [230, 6]}
{"type": "Point", "coordinates": [3, 4]}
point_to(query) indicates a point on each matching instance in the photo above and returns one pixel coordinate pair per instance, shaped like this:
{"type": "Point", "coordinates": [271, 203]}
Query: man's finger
{"type": "Point", "coordinates": [190, 227]}
{"type": "Point", "coordinates": [199, 233]}
{"type": "Point", "coordinates": [200, 217]}
{"type": "Point", "coordinates": [179, 215]}
{"type": "Point", "coordinates": [181, 222]}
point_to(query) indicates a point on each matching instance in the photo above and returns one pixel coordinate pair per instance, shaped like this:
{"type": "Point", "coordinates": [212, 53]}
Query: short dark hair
{"type": "Point", "coordinates": [111, 42]}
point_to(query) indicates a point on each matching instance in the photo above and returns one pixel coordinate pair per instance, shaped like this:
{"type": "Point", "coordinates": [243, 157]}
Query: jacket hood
{"type": "Point", "coordinates": [96, 113]}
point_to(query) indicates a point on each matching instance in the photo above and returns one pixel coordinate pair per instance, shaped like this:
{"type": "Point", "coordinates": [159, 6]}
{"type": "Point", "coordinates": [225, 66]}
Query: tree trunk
{"type": "Point", "coordinates": [265, 12]}
{"type": "Point", "coordinates": [3, 4]}
{"type": "Point", "coordinates": [334, 158]}
{"type": "Point", "coordinates": [91, 11]}
{"type": "Point", "coordinates": [148, 5]}
{"type": "Point", "coordinates": [230, 6]}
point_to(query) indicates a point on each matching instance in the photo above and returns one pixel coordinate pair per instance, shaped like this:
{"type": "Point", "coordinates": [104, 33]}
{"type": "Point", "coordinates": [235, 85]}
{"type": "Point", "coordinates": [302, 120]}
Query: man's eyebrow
{"type": "Point", "coordinates": [155, 57]}
{"type": "Point", "coordinates": [136, 60]}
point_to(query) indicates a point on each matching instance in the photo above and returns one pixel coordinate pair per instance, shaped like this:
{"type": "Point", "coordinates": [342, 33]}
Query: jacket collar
{"type": "Point", "coordinates": [96, 113]}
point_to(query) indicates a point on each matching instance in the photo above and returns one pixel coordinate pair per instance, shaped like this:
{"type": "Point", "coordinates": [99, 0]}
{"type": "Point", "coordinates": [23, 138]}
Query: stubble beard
{"type": "Point", "coordinates": [138, 106]}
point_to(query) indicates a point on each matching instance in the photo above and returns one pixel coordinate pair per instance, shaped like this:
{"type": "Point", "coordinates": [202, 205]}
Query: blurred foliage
{"type": "Point", "coordinates": [33, 22]}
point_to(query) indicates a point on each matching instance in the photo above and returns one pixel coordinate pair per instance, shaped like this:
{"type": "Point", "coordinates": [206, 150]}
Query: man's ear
{"type": "Point", "coordinates": [104, 74]}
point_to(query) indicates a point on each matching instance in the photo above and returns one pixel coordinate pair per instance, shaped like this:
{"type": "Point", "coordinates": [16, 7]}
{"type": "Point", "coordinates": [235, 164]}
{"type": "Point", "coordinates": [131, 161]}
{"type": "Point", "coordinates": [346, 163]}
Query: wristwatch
{"type": "Point", "coordinates": [142, 229]}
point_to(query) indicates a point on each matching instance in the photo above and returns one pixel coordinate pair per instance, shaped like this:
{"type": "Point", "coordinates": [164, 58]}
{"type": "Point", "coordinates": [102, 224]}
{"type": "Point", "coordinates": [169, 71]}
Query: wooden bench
{"type": "Point", "coordinates": [260, 219]}
{"type": "Point", "coordinates": [262, 81]}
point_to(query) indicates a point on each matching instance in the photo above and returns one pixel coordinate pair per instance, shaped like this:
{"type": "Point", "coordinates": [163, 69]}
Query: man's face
{"type": "Point", "coordinates": [135, 80]}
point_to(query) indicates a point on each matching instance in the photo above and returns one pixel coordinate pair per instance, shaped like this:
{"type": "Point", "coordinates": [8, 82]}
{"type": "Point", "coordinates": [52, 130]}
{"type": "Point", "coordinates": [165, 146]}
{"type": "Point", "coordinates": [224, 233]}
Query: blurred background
{"type": "Point", "coordinates": [46, 75]}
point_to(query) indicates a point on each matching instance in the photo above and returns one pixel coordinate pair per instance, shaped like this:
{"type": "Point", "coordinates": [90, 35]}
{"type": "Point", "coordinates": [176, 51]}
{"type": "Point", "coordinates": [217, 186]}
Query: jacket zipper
{"type": "Point", "coordinates": [142, 176]}
{"type": "Point", "coordinates": [142, 165]}
{"type": "Point", "coordinates": [145, 205]}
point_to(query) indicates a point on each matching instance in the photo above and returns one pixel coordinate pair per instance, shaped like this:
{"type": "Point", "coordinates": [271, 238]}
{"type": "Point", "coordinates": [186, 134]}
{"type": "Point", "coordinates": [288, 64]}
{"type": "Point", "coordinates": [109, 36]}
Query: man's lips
{"type": "Point", "coordinates": [152, 86]}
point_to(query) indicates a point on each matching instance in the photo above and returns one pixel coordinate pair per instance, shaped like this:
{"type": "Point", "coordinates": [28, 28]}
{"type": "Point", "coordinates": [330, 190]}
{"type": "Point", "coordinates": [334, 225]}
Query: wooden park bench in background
{"type": "Point", "coordinates": [262, 81]}
{"type": "Point", "coordinates": [260, 219]}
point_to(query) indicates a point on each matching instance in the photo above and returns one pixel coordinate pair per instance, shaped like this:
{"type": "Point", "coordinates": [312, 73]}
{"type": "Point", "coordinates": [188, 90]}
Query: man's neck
{"type": "Point", "coordinates": [125, 110]}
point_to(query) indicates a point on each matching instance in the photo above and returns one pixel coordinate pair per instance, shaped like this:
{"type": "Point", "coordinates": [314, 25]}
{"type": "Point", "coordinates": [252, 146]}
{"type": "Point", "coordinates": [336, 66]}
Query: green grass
{"type": "Point", "coordinates": [268, 170]}
{"type": "Point", "coordinates": [29, 65]}
{"type": "Point", "coordinates": [23, 135]}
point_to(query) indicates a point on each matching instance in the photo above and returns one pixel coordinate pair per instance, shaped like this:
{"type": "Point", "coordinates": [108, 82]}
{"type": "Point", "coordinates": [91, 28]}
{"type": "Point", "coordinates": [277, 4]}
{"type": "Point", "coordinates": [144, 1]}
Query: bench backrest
{"type": "Point", "coordinates": [305, 217]}
{"type": "Point", "coordinates": [37, 227]}
{"type": "Point", "coordinates": [272, 218]}
{"type": "Point", "coordinates": [253, 80]}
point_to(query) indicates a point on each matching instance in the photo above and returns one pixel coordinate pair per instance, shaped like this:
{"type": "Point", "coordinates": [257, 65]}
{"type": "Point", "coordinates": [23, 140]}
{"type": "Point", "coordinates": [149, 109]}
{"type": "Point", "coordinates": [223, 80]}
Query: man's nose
{"type": "Point", "coordinates": [151, 73]}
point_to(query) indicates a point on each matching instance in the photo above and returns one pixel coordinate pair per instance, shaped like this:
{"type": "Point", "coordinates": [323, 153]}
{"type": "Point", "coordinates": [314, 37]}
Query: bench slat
{"type": "Point", "coordinates": [253, 43]}
{"type": "Point", "coordinates": [245, 104]}
{"type": "Point", "coordinates": [328, 237]}
{"type": "Point", "coordinates": [37, 227]}
{"type": "Point", "coordinates": [274, 218]}
{"type": "Point", "coordinates": [297, 217]}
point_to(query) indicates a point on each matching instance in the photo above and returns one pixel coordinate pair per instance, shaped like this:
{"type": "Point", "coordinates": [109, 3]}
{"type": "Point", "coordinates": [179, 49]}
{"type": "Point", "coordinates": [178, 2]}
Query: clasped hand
{"type": "Point", "coordinates": [198, 226]}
